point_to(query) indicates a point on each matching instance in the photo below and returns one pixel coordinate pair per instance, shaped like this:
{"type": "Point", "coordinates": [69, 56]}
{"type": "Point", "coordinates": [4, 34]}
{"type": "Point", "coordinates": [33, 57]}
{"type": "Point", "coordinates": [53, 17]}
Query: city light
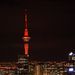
{"type": "Point", "coordinates": [71, 53]}
{"type": "Point", "coordinates": [71, 69]}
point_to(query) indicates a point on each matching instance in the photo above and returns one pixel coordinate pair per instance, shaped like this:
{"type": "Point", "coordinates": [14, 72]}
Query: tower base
{"type": "Point", "coordinates": [23, 65]}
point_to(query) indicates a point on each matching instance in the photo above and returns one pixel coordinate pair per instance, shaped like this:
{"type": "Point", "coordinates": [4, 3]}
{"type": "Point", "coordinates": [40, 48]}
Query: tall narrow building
{"type": "Point", "coordinates": [26, 37]}
{"type": "Point", "coordinates": [23, 65]}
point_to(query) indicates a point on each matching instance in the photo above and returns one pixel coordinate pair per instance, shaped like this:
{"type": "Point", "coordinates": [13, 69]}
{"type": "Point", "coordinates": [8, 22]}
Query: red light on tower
{"type": "Point", "coordinates": [26, 37]}
{"type": "Point", "coordinates": [26, 48]}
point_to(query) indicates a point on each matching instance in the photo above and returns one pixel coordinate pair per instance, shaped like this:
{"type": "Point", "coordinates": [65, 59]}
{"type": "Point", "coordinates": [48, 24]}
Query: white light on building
{"type": "Point", "coordinates": [71, 69]}
{"type": "Point", "coordinates": [71, 53]}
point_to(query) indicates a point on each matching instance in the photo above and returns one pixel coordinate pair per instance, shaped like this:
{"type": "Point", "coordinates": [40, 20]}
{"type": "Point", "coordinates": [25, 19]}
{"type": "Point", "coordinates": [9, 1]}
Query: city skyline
{"type": "Point", "coordinates": [51, 27]}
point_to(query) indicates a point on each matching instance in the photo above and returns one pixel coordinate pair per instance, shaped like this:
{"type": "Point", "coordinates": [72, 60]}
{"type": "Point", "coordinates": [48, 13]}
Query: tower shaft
{"type": "Point", "coordinates": [26, 48]}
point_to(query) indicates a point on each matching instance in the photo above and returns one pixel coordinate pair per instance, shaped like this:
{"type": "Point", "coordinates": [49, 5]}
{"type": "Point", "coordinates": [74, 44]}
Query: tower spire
{"type": "Point", "coordinates": [26, 18]}
{"type": "Point", "coordinates": [26, 23]}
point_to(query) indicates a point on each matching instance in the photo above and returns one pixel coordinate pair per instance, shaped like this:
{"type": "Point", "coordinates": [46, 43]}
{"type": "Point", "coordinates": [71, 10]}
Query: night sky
{"type": "Point", "coordinates": [51, 27]}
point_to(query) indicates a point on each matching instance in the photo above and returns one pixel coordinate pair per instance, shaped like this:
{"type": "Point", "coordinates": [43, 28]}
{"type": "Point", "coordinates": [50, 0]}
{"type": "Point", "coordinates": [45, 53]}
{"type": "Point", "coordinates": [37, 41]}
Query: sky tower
{"type": "Point", "coordinates": [23, 60]}
{"type": "Point", "coordinates": [26, 36]}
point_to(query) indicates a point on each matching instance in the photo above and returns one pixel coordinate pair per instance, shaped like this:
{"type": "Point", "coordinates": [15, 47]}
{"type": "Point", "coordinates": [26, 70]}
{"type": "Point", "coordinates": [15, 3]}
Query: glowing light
{"type": "Point", "coordinates": [26, 39]}
{"type": "Point", "coordinates": [71, 53]}
{"type": "Point", "coordinates": [26, 32]}
{"type": "Point", "coordinates": [71, 69]}
{"type": "Point", "coordinates": [26, 48]}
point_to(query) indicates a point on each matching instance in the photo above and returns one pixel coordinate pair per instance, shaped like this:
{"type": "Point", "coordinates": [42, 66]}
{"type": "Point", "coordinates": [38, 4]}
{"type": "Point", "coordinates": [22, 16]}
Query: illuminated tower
{"type": "Point", "coordinates": [26, 37]}
{"type": "Point", "coordinates": [23, 65]}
